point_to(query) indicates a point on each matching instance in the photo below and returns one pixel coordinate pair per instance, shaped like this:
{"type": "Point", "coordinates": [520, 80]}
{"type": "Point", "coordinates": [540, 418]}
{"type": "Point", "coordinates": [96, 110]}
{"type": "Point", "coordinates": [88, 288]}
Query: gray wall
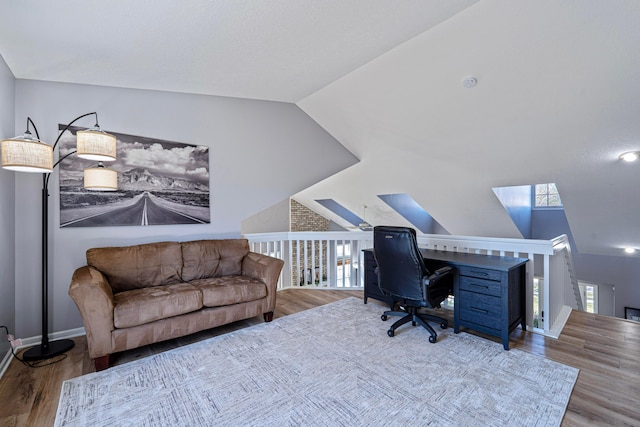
{"type": "Point", "coordinates": [621, 272]}
{"type": "Point", "coordinates": [260, 153]}
{"type": "Point", "coordinates": [273, 219]}
{"type": "Point", "coordinates": [7, 213]}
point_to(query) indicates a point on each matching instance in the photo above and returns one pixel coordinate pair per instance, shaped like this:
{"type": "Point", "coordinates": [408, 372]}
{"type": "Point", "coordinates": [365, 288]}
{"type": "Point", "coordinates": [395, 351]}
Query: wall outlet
{"type": "Point", "coordinates": [16, 343]}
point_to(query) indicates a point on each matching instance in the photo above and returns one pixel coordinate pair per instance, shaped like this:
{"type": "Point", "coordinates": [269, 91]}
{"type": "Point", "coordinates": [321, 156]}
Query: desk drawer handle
{"type": "Point", "coordinates": [480, 310]}
{"type": "Point", "coordinates": [480, 273]}
{"type": "Point", "coordinates": [479, 286]}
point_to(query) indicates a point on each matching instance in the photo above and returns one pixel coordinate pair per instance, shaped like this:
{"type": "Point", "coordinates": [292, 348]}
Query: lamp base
{"type": "Point", "coordinates": [54, 349]}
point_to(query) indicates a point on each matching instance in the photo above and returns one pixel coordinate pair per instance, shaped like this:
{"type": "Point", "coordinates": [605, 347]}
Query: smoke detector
{"type": "Point", "coordinates": [469, 82]}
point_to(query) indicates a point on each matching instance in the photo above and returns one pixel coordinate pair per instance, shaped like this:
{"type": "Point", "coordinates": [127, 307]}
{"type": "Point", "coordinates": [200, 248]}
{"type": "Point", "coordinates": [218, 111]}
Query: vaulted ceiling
{"type": "Point", "coordinates": [556, 99]}
{"type": "Point", "coordinates": [278, 50]}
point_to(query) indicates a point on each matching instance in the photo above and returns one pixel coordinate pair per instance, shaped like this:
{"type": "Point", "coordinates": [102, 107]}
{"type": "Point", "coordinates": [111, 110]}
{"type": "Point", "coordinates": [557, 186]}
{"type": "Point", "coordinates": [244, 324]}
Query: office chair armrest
{"type": "Point", "coordinates": [435, 292]}
{"type": "Point", "coordinates": [438, 274]}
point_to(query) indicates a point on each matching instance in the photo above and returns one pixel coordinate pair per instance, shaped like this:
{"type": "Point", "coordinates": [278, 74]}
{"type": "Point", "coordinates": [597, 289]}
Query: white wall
{"type": "Point", "coordinates": [7, 234]}
{"type": "Point", "coordinates": [260, 153]}
{"type": "Point", "coordinates": [607, 300]}
{"type": "Point", "coordinates": [556, 101]}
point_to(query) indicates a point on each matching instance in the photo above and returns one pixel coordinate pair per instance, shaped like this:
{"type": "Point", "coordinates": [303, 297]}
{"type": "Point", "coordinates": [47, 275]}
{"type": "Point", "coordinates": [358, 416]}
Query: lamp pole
{"type": "Point", "coordinates": [48, 349]}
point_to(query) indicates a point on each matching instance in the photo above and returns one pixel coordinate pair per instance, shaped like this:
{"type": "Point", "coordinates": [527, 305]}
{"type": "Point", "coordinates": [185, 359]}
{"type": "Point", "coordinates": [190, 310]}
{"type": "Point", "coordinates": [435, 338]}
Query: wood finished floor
{"type": "Point", "coordinates": [605, 349]}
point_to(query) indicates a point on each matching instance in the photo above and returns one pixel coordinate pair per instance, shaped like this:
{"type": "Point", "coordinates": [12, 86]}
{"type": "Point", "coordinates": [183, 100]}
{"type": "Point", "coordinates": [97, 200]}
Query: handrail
{"type": "Point", "coordinates": [469, 243]}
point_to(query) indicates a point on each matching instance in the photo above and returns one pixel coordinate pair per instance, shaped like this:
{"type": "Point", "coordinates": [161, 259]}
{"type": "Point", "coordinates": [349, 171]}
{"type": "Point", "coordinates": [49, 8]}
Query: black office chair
{"type": "Point", "coordinates": [403, 276]}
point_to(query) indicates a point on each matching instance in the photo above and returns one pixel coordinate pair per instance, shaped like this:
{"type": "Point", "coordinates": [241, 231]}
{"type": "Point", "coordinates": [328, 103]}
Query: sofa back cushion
{"type": "Point", "coordinates": [213, 258]}
{"type": "Point", "coordinates": [139, 266]}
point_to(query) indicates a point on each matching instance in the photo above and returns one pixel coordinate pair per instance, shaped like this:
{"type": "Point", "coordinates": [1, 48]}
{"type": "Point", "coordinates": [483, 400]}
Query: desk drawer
{"type": "Point", "coordinates": [480, 309]}
{"type": "Point", "coordinates": [488, 287]}
{"type": "Point", "coordinates": [481, 273]}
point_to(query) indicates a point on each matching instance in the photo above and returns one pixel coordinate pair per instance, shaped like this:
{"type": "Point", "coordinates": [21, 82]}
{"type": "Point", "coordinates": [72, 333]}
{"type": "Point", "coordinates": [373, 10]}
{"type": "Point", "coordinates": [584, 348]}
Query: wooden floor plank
{"type": "Point", "coordinates": [605, 349]}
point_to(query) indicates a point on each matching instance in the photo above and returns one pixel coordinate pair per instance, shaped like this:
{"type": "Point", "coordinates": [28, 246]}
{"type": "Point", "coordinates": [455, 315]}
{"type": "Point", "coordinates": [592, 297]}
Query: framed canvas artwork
{"type": "Point", "coordinates": [159, 183]}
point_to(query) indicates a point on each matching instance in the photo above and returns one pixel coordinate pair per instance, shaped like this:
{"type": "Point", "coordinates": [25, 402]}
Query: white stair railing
{"type": "Point", "coordinates": [575, 287]}
{"type": "Point", "coordinates": [334, 260]}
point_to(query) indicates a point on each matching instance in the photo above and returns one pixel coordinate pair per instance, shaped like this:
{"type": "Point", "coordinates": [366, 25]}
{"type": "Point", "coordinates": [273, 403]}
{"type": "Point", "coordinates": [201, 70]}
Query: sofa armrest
{"type": "Point", "coordinates": [266, 269]}
{"type": "Point", "coordinates": [91, 292]}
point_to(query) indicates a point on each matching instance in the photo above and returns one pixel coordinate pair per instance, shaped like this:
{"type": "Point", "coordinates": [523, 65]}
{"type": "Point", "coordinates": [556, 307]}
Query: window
{"type": "Point", "coordinates": [537, 318]}
{"type": "Point", "coordinates": [589, 297]}
{"type": "Point", "coordinates": [413, 212]}
{"type": "Point", "coordinates": [343, 264]}
{"type": "Point", "coordinates": [547, 196]}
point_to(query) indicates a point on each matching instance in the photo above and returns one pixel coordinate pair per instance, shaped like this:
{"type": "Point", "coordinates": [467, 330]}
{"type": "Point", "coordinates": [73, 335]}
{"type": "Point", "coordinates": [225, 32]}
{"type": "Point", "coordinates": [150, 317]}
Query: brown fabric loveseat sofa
{"type": "Point", "coordinates": [132, 296]}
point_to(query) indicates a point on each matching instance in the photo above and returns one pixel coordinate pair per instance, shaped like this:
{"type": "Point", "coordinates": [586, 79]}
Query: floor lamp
{"type": "Point", "coordinates": [28, 154]}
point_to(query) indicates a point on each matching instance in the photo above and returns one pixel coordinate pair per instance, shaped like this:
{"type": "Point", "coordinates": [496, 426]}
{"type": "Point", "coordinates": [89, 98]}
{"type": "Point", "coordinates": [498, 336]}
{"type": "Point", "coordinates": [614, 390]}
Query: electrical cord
{"type": "Point", "coordinates": [36, 364]}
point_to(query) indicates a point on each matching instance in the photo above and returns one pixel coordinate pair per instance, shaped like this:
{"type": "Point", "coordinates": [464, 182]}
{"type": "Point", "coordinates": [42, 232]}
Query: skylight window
{"type": "Point", "coordinates": [547, 196]}
{"type": "Point", "coordinates": [413, 212]}
{"type": "Point", "coordinates": [341, 211]}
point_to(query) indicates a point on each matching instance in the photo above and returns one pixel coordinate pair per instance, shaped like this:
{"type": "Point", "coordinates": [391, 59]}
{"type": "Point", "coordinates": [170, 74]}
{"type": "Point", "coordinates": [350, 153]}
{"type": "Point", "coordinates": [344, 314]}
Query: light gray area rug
{"type": "Point", "coordinates": [333, 365]}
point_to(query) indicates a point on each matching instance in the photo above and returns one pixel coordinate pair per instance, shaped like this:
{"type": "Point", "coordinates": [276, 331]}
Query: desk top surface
{"type": "Point", "coordinates": [478, 260]}
{"type": "Point", "coordinates": [494, 262]}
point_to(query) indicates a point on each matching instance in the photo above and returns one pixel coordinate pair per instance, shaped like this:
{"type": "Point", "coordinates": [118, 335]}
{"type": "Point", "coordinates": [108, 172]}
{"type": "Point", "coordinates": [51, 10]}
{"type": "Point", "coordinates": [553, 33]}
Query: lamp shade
{"type": "Point", "coordinates": [100, 179]}
{"type": "Point", "coordinates": [94, 144]}
{"type": "Point", "coordinates": [27, 154]}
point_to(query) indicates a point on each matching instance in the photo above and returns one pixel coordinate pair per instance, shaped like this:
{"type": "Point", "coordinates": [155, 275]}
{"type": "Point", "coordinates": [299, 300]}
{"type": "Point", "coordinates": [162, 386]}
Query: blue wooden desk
{"type": "Point", "coordinates": [489, 290]}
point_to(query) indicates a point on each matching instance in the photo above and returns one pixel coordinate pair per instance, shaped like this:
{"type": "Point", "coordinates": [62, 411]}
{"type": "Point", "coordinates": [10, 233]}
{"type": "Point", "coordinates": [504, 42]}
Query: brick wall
{"type": "Point", "coordinates": [304, 219]}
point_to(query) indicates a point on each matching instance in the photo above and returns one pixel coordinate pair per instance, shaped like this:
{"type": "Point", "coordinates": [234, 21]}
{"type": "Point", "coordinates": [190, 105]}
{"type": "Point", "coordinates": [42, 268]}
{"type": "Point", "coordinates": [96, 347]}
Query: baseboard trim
{"type": "Point", "coordinates": [5, 363]}
{"type": "Point", "coordinates": [561, 320]}
{"type": "Point", "coordinates": [31, 341]}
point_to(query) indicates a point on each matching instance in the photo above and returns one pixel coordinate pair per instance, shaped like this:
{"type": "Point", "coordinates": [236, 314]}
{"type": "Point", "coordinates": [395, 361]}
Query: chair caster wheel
{"type": "Point", "coordinates": [390, 332]}
{"type": "Point", "coordinates": [384, 317]}
{"type": "Point", "coordinates": [443, 325]}
{"type": "Point", "coordinates": [432, 340]}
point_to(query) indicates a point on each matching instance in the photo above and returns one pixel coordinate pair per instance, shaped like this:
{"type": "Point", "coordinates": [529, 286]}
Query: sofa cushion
{"type": "Point", "coordinates": [140, 266]}
{"type": "Point", "coordinates": [140, 306]}
{"type": "Point", "coordinates": [227, 290]}
{"type": "Point", "coordinates": [213, 258]}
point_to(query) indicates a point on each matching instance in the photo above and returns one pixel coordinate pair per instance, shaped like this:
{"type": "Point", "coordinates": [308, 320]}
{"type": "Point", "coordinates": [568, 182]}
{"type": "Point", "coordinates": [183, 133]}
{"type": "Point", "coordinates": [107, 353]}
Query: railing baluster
{"type": "Point", "coordinates": [306, 259]}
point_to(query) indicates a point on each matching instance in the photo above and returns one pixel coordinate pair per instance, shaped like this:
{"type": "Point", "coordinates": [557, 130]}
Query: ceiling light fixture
{"type": "Point", "coordinates": [629, 250]}
{"type": "Point", "coordinates": [630, 156]}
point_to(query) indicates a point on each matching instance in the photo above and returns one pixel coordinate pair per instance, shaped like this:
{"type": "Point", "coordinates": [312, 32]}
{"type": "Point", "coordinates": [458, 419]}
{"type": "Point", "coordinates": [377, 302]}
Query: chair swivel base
{"type": "Point", "coordinates": [415, 318]}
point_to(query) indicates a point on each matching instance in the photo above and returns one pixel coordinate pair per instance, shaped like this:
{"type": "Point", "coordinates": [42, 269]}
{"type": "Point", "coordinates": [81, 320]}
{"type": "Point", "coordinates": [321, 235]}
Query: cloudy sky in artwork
{"type": "Point", "coordinates": [158, 157]}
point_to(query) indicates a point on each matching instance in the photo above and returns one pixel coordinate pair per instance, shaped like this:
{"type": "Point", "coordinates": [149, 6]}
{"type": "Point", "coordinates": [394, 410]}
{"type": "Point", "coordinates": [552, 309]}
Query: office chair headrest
{"type": "Point", "coordinates": [394, 229]}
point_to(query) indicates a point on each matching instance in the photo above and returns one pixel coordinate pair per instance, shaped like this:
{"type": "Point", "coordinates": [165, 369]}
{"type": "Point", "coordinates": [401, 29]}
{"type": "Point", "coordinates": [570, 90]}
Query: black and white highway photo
{"type": "Point", "coordinates": [159, 183]}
